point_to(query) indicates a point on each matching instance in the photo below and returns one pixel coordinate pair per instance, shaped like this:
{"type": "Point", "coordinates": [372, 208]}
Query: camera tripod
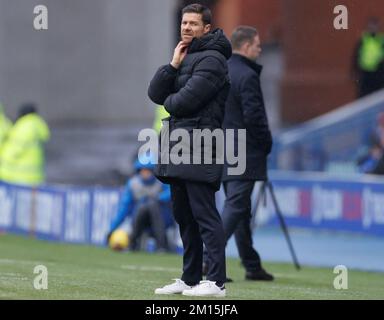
{"type": "Point", "coordinates": [265, 186]}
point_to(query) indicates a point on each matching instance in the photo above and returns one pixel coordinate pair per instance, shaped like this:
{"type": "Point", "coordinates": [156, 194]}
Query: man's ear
{"type": "Point", "coordinates": [207, 28]}
{"type": "Point", "coordinates": [245, 46]}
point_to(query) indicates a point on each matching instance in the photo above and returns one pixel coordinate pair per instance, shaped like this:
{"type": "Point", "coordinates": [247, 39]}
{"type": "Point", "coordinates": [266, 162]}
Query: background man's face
{"type": "Point", "coordinates": [253, 50]}
{"type": "Point", "coordinates": [146, 174]}
{"type": "Point", "coordinates": [373, 26]}
{"type": "Point", "coordinates": [192, 26]}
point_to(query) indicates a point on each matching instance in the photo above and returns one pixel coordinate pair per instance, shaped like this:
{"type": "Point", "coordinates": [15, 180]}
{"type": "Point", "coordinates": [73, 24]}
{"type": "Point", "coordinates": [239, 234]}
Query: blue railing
{"type": "Point", "coordinates": [330, 142]}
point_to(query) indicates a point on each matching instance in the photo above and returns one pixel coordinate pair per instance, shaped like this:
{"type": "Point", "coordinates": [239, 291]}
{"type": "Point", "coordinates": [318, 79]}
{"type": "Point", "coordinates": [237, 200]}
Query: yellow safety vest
{"type": "Point", "coordinates": [22, 155]}
{"type": "Point", "coordinates": [160, 114]}
{"type": "Point", "coordinates": [371, 52]}
{"type": "Point", "coordinates": [5, 126]}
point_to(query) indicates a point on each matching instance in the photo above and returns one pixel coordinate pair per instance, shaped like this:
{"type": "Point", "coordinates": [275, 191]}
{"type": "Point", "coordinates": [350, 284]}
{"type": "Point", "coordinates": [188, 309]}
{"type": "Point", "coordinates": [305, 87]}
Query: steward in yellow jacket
{"type": "Point", "coordinates": [22, 156]}
{"type": "Point", "coordinates": [5, 125]}
{"type": "Point", "coordinates": [368, 67]}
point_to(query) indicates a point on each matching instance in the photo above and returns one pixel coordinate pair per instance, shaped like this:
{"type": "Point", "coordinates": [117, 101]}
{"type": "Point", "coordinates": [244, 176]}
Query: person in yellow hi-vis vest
{"type": "Point", "coordinates": [5, 126]}
{"type": "Point", "coordinates": [22, 156]}
{"type": "Point", "coordinates": [160, 113]}
{"type": "Point", "coordinates": [368, 68]}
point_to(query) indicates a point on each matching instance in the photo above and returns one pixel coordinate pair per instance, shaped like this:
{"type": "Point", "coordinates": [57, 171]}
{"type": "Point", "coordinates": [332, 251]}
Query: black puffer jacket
{"type": "Point", "coordinates": [194, 95]}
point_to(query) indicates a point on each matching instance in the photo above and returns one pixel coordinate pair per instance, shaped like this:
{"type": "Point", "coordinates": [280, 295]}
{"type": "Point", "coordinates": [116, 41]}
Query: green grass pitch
{"type": "Point", "coordinates": [85, 272]}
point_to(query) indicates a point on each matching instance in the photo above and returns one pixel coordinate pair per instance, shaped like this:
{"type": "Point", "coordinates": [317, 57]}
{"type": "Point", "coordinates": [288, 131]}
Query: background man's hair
{"type": "Point", "coordinates": [241, 35]}
{"type": "Point", "coordinates": [199, 9]}
{"type": "Point", "coordinates": [27, 108]}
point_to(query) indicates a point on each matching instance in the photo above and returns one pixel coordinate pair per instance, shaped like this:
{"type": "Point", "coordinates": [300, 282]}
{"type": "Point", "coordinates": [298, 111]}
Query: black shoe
{"type": "Point", "coordinates": [228, 280]}
{"type": "Point", "coordinates": [259, 275]}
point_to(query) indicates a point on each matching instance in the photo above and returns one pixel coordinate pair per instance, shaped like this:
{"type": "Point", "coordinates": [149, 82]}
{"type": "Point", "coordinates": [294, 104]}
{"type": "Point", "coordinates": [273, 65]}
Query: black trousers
{"type": "Point", "coordinates": [195, 211]}
{"type": "Point", "coordinates": [148, 216]}
{"type": "Point", "coordinates": [370, 82]}
{"type": "Point", "coordinates": [237, 221]}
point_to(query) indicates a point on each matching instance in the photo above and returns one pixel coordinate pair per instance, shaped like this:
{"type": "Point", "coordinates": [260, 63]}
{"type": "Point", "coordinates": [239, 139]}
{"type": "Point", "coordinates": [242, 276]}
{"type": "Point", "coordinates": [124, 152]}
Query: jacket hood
{"type": "Point", "coordinates": [215, 40]}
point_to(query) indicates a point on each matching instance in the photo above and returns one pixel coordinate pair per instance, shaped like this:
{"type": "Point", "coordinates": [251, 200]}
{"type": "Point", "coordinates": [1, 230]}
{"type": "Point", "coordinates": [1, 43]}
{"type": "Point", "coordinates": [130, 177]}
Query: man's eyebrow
{"type": "Point", "coordinates": [190, 21]}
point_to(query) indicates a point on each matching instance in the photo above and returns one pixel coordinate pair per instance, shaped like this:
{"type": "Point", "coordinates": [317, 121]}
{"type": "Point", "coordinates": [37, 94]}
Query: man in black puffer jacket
{"type": "Point", "coordinates": [193, 89]}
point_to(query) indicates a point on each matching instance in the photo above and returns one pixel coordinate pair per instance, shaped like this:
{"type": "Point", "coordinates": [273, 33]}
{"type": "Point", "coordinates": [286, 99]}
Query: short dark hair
{"type": "Point", "coordinates": [241, 35]}
{"type": "Point", "coordinates": [27, 108]}
{"type": "Point", "coordinates": [198, 8]}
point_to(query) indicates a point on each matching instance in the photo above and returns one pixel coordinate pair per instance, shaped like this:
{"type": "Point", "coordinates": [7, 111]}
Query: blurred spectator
{"type": "Point", "coordinates": [5, 126]}
{"type": "Point", "coordinates": [22, 157]}
{"type": "Point", "coordinates": [379, 168]}
{"type": "Point", "coordinates": [368, 62]}
{"type": "Point", "coordinates": [372, 162]}
{"type": "Point", "coordinates": [378, 134]}
{"type": "Point", "coordinates": [147, 200]}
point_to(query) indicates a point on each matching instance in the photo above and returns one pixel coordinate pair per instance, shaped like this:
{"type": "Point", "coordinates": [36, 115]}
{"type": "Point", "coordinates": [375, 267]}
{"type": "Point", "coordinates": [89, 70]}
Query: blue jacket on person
{"type": "Point", "coordinates": [139, 191]}
{"type": "Point", "coordinates": [369, 165]}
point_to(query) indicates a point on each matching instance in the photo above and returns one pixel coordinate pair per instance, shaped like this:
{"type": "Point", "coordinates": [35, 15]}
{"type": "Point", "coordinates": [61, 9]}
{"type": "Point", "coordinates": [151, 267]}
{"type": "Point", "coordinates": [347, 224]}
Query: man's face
{"type": "Point", "coordinates": [373, 26]}
{"type": "Point", "coordinates": [192, 26]}
{"type": "Point", "coordinates": [146, 174]}
{"type": "Point", "coordinates": [253, 49]}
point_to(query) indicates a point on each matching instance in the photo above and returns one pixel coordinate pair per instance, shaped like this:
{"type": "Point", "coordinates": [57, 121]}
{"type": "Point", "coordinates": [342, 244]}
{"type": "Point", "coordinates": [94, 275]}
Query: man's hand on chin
{"type": "Point", "coordinates": [179, 54]}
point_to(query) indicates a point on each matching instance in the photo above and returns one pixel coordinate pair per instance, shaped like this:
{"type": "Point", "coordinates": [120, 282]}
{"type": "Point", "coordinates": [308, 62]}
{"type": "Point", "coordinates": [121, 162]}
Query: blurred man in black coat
{"type": "Point", "coordinates": [245, 109]}
{"type": "Point", "coordinates": [193, 89]}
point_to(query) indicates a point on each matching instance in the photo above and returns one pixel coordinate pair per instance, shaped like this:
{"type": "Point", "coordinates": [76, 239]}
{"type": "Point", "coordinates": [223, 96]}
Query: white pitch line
{"type": "Point", "coordinates": [284, 275]}
{"type": "Point", "coordinates": [11, 261]}
{"type": "Point", "coordinates": [148, 268]}
{"type": "Point", "coordinates": [163, 269]}
{"type": "Point", "coordinates": [12, 276]}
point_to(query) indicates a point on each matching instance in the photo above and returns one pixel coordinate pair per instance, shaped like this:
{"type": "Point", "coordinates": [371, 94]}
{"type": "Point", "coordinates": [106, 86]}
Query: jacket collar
{"type": "Point", "coordinates": [215, 40]}
{"type": "Point", "coordinates": [255, 66]}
